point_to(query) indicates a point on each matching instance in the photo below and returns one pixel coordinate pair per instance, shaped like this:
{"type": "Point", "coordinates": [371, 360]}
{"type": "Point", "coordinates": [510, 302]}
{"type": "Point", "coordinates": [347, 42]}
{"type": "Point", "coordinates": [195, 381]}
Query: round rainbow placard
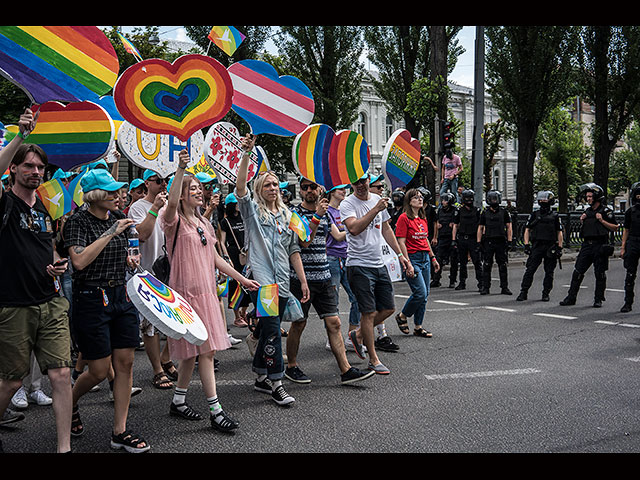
{"type": "Point", "coordinates": [176, 98]}
{"type": "Point", "coordinates": [166, 309]}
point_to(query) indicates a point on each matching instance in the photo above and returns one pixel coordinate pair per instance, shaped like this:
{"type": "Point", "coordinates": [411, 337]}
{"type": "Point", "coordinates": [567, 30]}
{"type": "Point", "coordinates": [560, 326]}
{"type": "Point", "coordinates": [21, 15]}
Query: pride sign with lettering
{"type": "Point", "coordinates": [223, 147]}
{"type": "Point", "coordinates": [166, 309]}
{"type": "Point", "coordinates": [400, 159]}
{"type": "Point", "coordinates": [176, 98]}
{"type": "Point", "coordinates": [158, 152]}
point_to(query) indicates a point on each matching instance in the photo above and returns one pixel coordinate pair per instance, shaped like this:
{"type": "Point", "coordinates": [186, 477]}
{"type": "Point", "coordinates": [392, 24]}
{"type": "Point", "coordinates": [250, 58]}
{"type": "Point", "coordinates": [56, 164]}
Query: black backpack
{"type": "Point", "coordinates": [162, 266]}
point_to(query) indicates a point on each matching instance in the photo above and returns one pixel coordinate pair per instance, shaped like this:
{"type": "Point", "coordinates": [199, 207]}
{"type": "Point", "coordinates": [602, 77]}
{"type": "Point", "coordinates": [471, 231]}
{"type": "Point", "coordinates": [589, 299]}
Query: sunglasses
{"type": "Point", "coordinates": [203, 239]}
{"type": "Point", "coordinates": [375, 186]}
{"type": "Point", "coordinates": [308, 186]}
{"type": "Point", "coordinates": [158, 181]}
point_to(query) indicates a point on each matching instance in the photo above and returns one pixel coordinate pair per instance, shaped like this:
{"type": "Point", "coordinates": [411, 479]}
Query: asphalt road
{"type": "Point", "coordinates": [498, 376]}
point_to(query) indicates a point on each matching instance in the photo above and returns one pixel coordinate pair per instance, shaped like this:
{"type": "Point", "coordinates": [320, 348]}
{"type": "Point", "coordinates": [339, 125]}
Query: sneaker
{"type": "Point", "coordinates": [386, 344]}
{"type": "Point", "coordinates": [40, 398]}
{"type": "Point", "coordinates": [10, 416]}
{"type": "Point", "coordinates": [354, 375]}
{"type": "Point", "coordinates": [522, 297]}
{"type": "Point", "coordinates": [356, 346]}
{"type": "Point", "coordinates": [461, 286]}
{"type": "Point", "coordinates": [379, 369]}
{"type": "Point", "coordinates": [234, 340]}
{"type": "Point", "coordinates": [626, 308]}
{"type": "Point", "coordinates": [348, 345]}
{"type": "Point", "coordinates": [134, 391]}
{"type": "Point", "coordinates": [19, 399]}
{"type": "Point", "coordinates": [252, 343]}
{"type": "Point", "coordinates": [296, 375]}
{"type": "Point", "coordinates": [281, 397]}
{"type": "Point", "coordinates": [505, 291]}
{"type": "Point", "coordinates": [263, 386]}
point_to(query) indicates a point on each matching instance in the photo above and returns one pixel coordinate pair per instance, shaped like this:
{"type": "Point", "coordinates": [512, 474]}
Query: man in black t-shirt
{"type": "Point", "coordinates": [33, 315]}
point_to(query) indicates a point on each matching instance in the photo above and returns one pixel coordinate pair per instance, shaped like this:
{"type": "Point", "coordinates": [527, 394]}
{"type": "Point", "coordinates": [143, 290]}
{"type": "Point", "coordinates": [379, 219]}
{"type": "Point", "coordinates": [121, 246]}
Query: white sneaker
{"type": "Point", "coordinates": [234, 340]}
{"type": "Point", "coordinates": [40, 398]}
{"type": "Point", "coordinates": [19, 399]}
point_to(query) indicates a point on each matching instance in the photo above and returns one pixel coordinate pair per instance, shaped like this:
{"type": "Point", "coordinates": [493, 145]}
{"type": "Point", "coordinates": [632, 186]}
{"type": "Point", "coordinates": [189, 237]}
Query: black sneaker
{"type": "Point", "coordinates": [522, 297]}
{"type": "Point", "coordinates": [263, 387]}
{"type": "Point", "coordinates": [354, 375]}
{"type": "Point", "coordinates": [626, 308]}
{"type": "Point", "coordinates": [386, 344]}
{"type": "Point", "coordinates": [296, 375]}
{"type": "Point", "coordinates": [461, 286]}
{"type": "Point", "coordinates": [281, 397]}
{"type": "Point", "coordinates": [505, 291]}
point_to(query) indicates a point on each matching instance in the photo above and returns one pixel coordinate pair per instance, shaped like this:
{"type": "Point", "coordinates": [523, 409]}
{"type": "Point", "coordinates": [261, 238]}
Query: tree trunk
{"type": "Point", "coordinates": [602, 149]}
{"type": "Point", "coordinates": [438, 47]}
{"type": "Point", "coordinates": [526, 157]}
{"type": "Point", "coordinates": [563, 184]}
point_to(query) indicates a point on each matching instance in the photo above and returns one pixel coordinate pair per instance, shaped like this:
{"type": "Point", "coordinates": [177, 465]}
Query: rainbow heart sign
{"type": "Point", "coordinates": [269, 103]}
{"type": "Point", "coordinates": [63, 63]}
{"type": "Point", "coordinates": [176, 98]}
{"type": "Point", "coordinates": [166, 309]}
{"type": "Point", "coordinates": [72, 134]}
{"type": "Point", "coordinates": [328, 158]}
{"type": "Point", "coordinates": [223, 148]}
{"type": "Point", "coordinates": [400, 159]}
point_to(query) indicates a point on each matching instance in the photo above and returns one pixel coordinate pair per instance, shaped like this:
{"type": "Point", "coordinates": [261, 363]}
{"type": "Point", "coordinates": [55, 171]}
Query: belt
{"type": "Point", "coordinates": [101, 283]}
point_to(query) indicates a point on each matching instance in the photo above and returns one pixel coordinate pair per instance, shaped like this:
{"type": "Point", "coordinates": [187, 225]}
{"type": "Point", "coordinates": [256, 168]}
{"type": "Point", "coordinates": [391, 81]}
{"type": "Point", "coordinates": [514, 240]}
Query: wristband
{"type": "Point", "coordinates": [399, 254]}
{"type": "Point", "coordinates": [315, 219]}
{"type": "Point", "coordinates": [153, 213]}
{"type": "Point", "coordinates": [22, 135]}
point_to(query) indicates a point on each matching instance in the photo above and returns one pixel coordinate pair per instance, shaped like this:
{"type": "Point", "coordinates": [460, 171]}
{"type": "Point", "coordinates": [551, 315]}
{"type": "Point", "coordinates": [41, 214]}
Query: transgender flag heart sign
{"type": "Point", "coordinates": [269, 103]}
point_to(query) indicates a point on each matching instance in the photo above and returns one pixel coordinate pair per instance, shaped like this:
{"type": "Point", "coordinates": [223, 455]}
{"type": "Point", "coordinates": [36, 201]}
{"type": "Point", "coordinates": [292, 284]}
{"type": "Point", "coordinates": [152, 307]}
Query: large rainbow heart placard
{"type": "Point", "coordinates": [166, 309]}
{"type": "Point", "coordinates": [328, 158]}
{"type": "Point", "coordinates": [72, 134]}
{"type": "Point", "coordinates": [223, 148]}
{"type": "Point", "coordinates": [63, 63]}
{"type": "Point", "coordinates": [158, 152]}
{"type": "Point", "coordinates": [400, 159]}
{"type": "Point", "coordinates": [272, 104]}
{"type": "Point", "coordinates": [176, 98]}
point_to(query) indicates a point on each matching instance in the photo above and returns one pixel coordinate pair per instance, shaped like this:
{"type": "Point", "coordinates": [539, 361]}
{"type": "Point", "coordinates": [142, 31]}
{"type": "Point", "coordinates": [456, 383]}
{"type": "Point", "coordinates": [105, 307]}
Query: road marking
{"type": "Point", "coordinates": [402, 296]}
{"type": "Point", "coordinates": [495, 373]}
{"type": "Point", "coordinates": [618, 324]}
{"type": "Point", "coordinates": [450, 303]}
{"type": "Point", "coordinates": [633, 359]}
{"type": "Point", "coordinates": [500, 309]}
{"type": "Point", "coordinates": [614, 290]}
{"type": "Point", "coordinates": [570, 285]}
{"type": "Point", "coordinates": [552, 315]}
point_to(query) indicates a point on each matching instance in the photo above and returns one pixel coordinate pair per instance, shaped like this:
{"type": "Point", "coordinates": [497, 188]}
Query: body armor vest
{"type": "Point", "coordinates": [495, 226]}
{"type": "Point", "coordinates": [468, 221]}
{"type": "Point", "coordinates": [544, 227]}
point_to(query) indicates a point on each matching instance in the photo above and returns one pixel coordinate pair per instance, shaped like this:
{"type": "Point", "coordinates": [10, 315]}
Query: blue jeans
{"type": "Point", "coordinates": [339, 277]}
{"type": "Point", "coordinates": [450, 184]}
{"type": "Point", "coordinates": [268, 358]}
{"type": "Point", "coordinates": [419, 284]}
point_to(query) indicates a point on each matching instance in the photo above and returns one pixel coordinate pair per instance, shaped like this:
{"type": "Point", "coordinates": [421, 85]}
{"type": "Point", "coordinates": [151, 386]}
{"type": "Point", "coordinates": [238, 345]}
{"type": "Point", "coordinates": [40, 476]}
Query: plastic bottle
{"type": "Point", "coordinates": [134, 244]}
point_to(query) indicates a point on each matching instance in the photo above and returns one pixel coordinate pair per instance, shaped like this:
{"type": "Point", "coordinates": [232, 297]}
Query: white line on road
{"type": "Point", "coordinates": [619, 324]}
{"type": "Point", "coordinates": [552, 315]}
{"type": "Point", "coordinates": [614, 290]}
{"type": "Point", "coordinates": [500, 309]}
{"type": "Point", "coordinates": [402, 296]}
{"type": "Point", "coordinates": [496, 373]}
{"type": "Point", "coordinates": [633, 359]}
{"type": "Point", "coordinates": [450, 303]}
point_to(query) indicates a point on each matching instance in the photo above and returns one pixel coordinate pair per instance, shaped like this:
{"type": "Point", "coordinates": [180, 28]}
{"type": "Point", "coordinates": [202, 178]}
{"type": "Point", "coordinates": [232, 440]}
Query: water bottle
{"type": "Point", "coordinates": [134, 244]}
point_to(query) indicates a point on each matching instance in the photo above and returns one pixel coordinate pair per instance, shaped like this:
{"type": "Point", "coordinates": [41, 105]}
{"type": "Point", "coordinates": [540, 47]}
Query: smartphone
{"type": "Point", "coordinates": [59, 263]}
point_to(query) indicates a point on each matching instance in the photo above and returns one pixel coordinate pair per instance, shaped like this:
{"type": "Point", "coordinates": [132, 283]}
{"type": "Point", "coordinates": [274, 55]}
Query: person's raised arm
{"type": "Point", "coordinates": [176, 186]}
{"type": "Point", "coordinates": [26, 124]}
{"type": "Point", "coordinates": [248, 143]}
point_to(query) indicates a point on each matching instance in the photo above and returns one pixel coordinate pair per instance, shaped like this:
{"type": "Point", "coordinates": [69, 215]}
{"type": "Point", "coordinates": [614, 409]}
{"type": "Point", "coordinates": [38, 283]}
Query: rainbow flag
{"type": "Point", "coordinates": [228, 39]}
{"type": "Point", "coordinates": [55, 198]}
{"type": "Point", "coordinates": [234, 301]}
{"type": "Point", "coordinates": [75, 190]}
{"type": "Point", "coordinates": [300, 225]}
{"type": "Point", "coordinates": [129, 47]}
{"type": "Point", "coordinates": [267, 305]}
{"type": "Point", "coordinates": [223, 288]}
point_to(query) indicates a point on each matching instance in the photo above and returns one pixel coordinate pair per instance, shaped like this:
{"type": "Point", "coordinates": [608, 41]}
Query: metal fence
{"type": "Point", "coordinates": [571, 223]}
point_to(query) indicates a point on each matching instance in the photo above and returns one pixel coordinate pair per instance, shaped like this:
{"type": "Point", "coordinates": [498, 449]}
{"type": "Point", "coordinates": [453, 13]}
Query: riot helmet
{"type": "Point", "coordinates": [397, 197]}
{"type": "Point", "coordinates": [494, 198]}
{"type": "Point", "coordinates": [634, 193]}
{"type": "Point", "coordinates": [467, 197]}
{"type": "Point", "coordinates": [598, 192]}
{"type": "Point", "coordinates": [546, 199]}
{"type": "Point", "coordinates": [426, 194]}
{"type": "Point", "coordinates": [447, 199]}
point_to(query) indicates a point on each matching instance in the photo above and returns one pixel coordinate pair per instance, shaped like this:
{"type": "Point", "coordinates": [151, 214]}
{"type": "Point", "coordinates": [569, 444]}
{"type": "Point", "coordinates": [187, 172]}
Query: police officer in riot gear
{"type": "Point", "coordinates": [465, 229]}
{"type": "Point", "coordinates": [395, 210]}
{"type": "Point", "coordinates": [543, 240]}
{"type": "Point", "coordinates": [630, 250]}
{"type": "Point", "coordinates": [430, 211]}
{"type": "Point", "coordinates": [446, 252]}
{"type": "Point", "coordinates": [495, 234]}
{"type": "Point", "coordinates": [598, 221]}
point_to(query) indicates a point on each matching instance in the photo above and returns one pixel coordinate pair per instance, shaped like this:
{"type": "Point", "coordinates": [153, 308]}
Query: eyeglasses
{"type": "Point", "coordinates": [308, 186]}
{"type": "Point", "coordinates": [360, 181]}
{"type": "Point", "coordinates": [203, 239]}
{"type": "Point", "coordinates": [208, 186]}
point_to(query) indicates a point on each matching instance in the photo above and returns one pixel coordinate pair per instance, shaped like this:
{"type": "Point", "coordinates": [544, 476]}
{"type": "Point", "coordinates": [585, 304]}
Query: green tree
{"type": "Point", "coordinates": [140, 37]}
{"type": "Point", "coordinates": [494, 135]}
{"type": "Point", "coordinates": [529, 70]}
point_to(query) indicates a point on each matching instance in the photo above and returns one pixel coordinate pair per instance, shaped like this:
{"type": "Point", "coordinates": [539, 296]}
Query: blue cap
{"type": "Point", "coordinates": [148, 174]}
{"type": "Point", "coordinates": [62, 174]}
{"type": "Point", "coordinates": [346, 185]}
{"type": "Point", "coordinates": [135, 183]}
{"type": "Point", "coordinates": [98, 164]}
{"type": "Point", "coordinates": [231, 198]}
{"type": "Point", "coordinates": [284, 185]}
{"type": "Point", "coordinates": [204, 177]}
{"type": "Point", "coordinates": [376, 179]}
{"type": "Point", "coordinates": [100, 179]}
{"type": "Point", "coordinates": [169, 182]}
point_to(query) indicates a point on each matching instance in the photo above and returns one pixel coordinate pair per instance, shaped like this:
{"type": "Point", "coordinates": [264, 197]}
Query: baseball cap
{"type": "Point", "coordinates": [148, 174]}
{"type": "Point", "coordinates": [100, 179]}
{"type": "Point", "coordinates": [135, 183]}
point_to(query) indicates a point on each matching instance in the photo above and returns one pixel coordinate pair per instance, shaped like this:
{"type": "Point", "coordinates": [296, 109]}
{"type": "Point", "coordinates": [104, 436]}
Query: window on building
{"type": "Point", "coordinates": [389, 126]}
{"type": "Point", "coordinates": [362, 125]}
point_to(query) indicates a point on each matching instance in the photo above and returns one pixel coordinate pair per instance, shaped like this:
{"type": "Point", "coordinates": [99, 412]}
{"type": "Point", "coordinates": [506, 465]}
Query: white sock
{"type": "Point", "coordinates": [214, 405]}
{"type": "Point", "coordinates": [179, 396]}
{"type": "Point", "coordinates": [381, 331]}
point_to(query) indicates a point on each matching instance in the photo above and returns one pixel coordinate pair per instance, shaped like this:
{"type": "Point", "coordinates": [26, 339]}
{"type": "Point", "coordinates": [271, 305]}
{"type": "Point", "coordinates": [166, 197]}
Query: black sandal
{"type": "Point", "coordinates": [171, 370]}
{"type": "Point", "coordinates": [421, 332]}
{"type": "Point", "coordinates": [130, 442]}
{"type": "Point", "coordinates": [223, 422]}
{"type": "Point", "coordinates": [77, 429]}
{"type": "Point", "coordinates": [402, 324]}
{"type": "Point", "coordinates": [186, 412]}
{"type": "Point", "coordinates": [161, 381]}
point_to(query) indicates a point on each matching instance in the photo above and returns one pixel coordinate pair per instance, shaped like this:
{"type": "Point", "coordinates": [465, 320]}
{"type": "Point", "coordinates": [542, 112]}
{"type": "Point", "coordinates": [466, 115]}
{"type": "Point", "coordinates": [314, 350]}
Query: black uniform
{"type": "Point", "coordinates": [543, 227]}
{"type": "Point", "coordinates": [631, 253]}
{"type": "Point", "coordinates": [466, 219]}
{"type": "Point", "coordinates": [446, 251]}
{"type": "Point", "coordinates": [494, 244]}
{"type": "Point", "coordinates": [596, 250]}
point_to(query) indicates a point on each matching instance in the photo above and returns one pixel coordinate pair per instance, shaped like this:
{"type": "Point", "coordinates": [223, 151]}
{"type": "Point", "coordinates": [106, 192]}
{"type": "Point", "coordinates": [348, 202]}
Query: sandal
{"type": "Point", "coordinates": [161, 381]}
{"type": "Point", "coordinates": [223, 422]}
{"type": "Point", "coordinates": [131, 442]}
{"type": "Point", "coordinates": [402, 324]}
{"type": "Point", "coordinates": [171, 370]}
{"type": "Point", "coordinates": [421, 332]}
{"type": "Point", "coordinates": [77, 429]}
{"type": "Point", "coordinates": [185, 411]}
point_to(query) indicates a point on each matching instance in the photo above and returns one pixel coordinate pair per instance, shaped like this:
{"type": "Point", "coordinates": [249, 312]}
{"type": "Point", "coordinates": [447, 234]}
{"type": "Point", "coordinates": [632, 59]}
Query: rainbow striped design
{"type": "Point", "coordinates": [55, 198]}
{"type": "Point", "coordinates": [227, 39]}
{"type": "Point", "coordinates": [267, 304]}
{"type": "Point", "coordinates": [129, 47]}
{"type": "Point", "coordinates": [223, 288]}
{"type": "Point", "coordinates": [75, 190]}
{"type": "Point", "coordinates": [72, 134]}
{"type": "Point", "coordinates": [300, 226]}
{"type": "Point", "coordinates": [158, 288]}
{"type": "Point", "coordinates": [349, 158]}
{"type": "Point", "coordinates": [400, 159]}
{"type": "Point", "coordinates": [234, 301]}
{"type": "Point", "coordinates": [64, 63]}
{"type": "Point", "coordinates": [281, 106]}
{"type": "Point", "coordinates": [174, 98]}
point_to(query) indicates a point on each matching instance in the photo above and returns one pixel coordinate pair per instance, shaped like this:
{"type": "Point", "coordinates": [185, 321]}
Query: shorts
{"type": "Point", "coordinates": [372, 288]}
{"type": "Point", "coordinates": [104, 319]}
{"type": "Point", "coordinates": [42, 329]}
{"type": "Point", "coordinates": [322, 295]}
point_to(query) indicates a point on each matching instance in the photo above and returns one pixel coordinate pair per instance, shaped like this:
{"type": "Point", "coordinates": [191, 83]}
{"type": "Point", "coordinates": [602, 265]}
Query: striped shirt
{"type": "Point", "coordinates": [314, 257]}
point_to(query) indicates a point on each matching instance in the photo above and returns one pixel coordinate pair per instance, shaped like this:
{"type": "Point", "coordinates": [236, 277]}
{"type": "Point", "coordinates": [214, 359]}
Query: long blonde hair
{"type": "Point", "coordinates": [263, 211]}
{"type": "Point", "coordinates": [186, 184]}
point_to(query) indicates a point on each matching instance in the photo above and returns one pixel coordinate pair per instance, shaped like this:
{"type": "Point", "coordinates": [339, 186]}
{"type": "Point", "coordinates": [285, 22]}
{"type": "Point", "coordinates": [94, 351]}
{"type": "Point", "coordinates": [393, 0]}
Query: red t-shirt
{"type": "Point", "coordinates": [415, 232]}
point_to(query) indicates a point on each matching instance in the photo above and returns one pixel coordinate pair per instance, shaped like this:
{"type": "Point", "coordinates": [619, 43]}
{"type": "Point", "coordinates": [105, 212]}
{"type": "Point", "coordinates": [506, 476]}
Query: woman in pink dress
{"type": "Point", "coordinates": [193, 275]}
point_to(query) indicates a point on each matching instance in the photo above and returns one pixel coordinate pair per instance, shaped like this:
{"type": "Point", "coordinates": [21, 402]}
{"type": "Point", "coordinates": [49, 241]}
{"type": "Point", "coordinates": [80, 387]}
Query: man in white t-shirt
{"type": "Point", "coordinates": [145, 214]}
{"type": "Point", "coordinates": [365, 216]}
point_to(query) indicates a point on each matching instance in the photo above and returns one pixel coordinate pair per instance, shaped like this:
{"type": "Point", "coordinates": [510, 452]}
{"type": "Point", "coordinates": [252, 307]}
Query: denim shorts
{"type": "Point", "coordinates": [372, 288]}
{"type": "Point", "coordinates": [104, 319]}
